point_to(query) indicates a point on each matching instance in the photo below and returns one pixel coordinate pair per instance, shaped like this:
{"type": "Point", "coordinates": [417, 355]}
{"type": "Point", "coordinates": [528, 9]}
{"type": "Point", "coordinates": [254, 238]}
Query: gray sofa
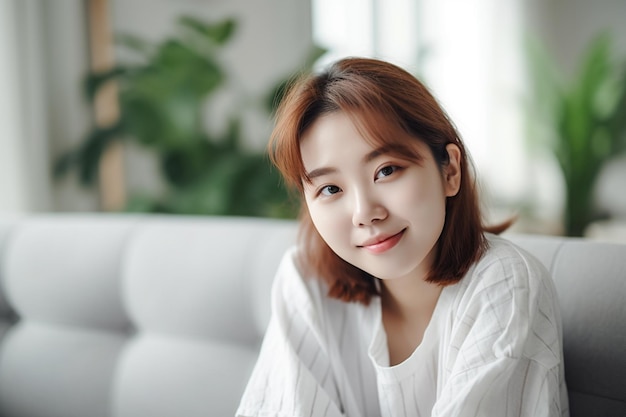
{"type": "Point", "coordinates": [162, 316]}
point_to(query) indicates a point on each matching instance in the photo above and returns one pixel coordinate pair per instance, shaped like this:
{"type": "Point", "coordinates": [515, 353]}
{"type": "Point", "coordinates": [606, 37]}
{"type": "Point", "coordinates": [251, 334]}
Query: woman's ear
{"type": "Point", "coordinates": [452, 170]}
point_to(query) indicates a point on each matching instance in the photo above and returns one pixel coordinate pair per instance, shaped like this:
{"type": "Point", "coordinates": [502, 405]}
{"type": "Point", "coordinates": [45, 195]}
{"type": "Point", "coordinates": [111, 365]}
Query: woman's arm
{"type": "Point", "coordinates": [293, 375]}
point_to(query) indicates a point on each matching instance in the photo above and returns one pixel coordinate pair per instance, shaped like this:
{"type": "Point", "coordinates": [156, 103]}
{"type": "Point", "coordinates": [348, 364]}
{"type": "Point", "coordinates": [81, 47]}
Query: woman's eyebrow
{"type": "Point", "coordinates": [375, 153]}
{"type": "Point", "coordinates": [318, 172]}
{"type": "Point", "coordinates": [386, 149]}
{"type": "Point", "coordinates": [397, 150]}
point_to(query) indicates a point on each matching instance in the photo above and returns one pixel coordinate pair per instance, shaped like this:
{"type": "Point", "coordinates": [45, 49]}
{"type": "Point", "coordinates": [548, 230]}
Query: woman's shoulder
{"type": "Point", "coordinates": [291, 285]}
{"type": "Point", "coordinates": [509, 292]}
{"type": "Point", "coordinates": [303, 300]}
{"type": "Point", "coordinates": [300, 291]}
{"type": "Point", "coordinates": [505, 261]}
{"type": "Point", "coordinates": [506, 270]}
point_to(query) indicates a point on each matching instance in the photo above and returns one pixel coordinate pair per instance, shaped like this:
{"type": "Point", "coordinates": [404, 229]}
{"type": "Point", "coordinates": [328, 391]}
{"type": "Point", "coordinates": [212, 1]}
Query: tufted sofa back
{"type": "Point", "coordinates": [133, 316]}
{"type": "Point", "coordinates": [162, 316]}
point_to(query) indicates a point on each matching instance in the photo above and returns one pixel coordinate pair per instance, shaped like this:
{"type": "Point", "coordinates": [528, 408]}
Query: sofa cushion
{"type": "Point", "coordinates": [594, 316]}
{"type": "Point", "coordinates": [165, 376]}
{"type": "Point", "coordinates": [57, 371]}
{"type": "Point", "coordinates": [207, 279]}
{"type": "Point", "coordinates": [66, 270]}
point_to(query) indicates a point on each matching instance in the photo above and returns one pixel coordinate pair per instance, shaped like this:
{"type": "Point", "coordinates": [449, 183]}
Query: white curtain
{"type": "Point", "coordinates": [24, 184]}
{"type": "Point", "coordinates": [12, 189]}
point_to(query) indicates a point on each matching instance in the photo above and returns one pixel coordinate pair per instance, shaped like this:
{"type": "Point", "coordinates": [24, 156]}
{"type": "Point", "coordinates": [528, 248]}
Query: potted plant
{"type": "Point", "coordinates": [161, 97]}
{"type": "Point", "coordinates": [583, 121]}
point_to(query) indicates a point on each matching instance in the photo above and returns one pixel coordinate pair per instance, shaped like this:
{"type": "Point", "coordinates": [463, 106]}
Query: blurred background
{"type": "Point", "coordinates": [166, 105]}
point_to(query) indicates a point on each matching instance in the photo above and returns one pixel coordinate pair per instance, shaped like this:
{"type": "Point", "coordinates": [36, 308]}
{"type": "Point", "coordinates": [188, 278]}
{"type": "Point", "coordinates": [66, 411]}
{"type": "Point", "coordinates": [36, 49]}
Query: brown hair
{"type": "Point", "coordinates": [381, 98]}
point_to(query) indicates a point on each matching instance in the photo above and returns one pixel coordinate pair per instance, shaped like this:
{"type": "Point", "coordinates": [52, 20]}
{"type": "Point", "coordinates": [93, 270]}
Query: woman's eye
{"type": "Point", "coordinates": [386, 171]}
{"type": "Point", "coordinates": [330, 190]}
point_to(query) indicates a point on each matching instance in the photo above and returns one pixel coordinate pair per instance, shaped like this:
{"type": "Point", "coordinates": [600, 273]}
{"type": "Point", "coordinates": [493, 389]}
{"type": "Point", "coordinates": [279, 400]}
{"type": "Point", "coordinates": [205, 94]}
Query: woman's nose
{"type": "Point", "coordinates": [367, 209]}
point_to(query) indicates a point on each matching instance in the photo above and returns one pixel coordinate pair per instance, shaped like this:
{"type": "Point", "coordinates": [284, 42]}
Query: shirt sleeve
{"type": "Point", "coordinates": [505, 355]}
{"type": "Point", "coordinates": [293, 375]}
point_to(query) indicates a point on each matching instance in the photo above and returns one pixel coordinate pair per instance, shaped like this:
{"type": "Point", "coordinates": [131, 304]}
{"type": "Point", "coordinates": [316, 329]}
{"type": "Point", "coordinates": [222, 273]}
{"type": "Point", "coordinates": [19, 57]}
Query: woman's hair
{"type": "Point", "coordinates": [383, 101]}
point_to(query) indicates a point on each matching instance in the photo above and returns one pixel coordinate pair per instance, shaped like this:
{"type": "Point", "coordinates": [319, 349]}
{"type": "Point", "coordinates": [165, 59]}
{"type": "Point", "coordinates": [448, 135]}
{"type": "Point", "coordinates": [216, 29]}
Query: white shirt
{"type": "Point", "coordinates": [492, 348]}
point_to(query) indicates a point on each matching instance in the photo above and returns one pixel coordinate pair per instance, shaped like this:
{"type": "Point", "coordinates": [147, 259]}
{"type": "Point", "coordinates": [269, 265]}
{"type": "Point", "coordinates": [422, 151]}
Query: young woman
{"type": "Point", "coordinates": [397, 301]}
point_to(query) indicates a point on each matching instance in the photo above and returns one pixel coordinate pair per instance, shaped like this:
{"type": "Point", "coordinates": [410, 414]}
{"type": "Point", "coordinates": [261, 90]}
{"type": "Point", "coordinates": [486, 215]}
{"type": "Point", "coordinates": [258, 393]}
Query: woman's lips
{"type": "Point", "coordinates": [383, 244]}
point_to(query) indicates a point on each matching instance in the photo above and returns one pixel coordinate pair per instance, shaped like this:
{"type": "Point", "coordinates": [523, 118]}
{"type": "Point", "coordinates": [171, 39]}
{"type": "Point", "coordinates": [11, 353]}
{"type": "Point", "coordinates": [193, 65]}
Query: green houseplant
{"type": "Point", "coordinates": [583, 120]}
{"type": "Point", "coordinates": [161, 98]}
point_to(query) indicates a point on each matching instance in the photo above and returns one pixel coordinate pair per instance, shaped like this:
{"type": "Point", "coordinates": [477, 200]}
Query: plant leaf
{"type": "Point", "coordinates": [135, 44]}
{"type": "Point", "coordinates": [218, 33]}
{"type": "Point", "coordinates": [87, 156]}
{"type": "Point", "coordinates": [94, 81]}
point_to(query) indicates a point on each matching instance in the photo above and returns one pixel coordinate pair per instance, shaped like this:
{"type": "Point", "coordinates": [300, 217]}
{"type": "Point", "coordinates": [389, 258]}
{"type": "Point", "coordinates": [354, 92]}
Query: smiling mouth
{"type": "Point", "coordinates": [382, 245]}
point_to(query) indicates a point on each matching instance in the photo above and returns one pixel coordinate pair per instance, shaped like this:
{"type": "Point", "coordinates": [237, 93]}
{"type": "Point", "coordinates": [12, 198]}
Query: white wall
{"type": "Point", "coordinates": [567, 26]}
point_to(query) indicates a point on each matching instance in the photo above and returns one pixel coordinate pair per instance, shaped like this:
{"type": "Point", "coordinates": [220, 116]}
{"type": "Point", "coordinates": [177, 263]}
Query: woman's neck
{"type": "Point", "coordinates": [407, 307]}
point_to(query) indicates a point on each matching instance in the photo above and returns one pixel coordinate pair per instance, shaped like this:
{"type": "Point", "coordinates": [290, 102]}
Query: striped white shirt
{"type": "Point", "coordinates": [492, 348]}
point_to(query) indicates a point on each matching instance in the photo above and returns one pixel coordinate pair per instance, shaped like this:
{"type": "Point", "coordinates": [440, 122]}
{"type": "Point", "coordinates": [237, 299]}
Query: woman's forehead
{"type": "Point", "coordinates": [377, 128]}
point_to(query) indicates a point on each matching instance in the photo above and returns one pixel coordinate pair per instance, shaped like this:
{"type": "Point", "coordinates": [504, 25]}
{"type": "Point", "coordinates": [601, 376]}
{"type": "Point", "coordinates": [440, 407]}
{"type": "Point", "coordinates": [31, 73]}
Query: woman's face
{"type": "Point", "coordinates": [381, 213]}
